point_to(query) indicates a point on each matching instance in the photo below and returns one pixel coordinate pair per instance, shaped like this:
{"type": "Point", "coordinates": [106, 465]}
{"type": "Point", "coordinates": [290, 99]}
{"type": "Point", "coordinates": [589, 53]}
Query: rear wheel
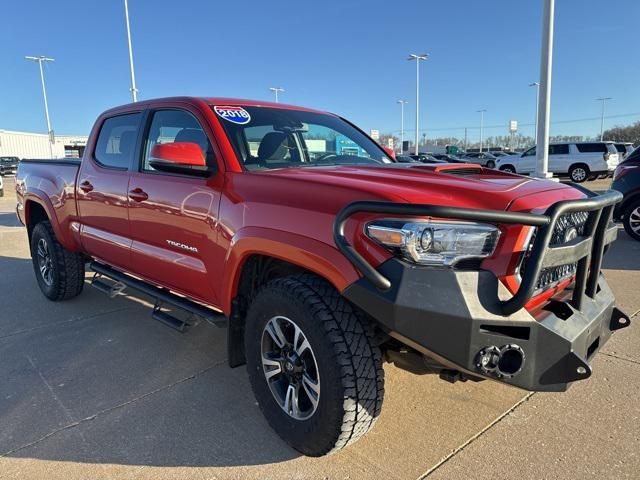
{"type": "Point", "coordinates": [631, 220]}
{"type": "Point", "coordinates": [314, 368]}
{"type": "Point", "coordinates": [508, 169]}
{"type": "Point", "coordinates": [60, 273]}
{"type": "Point", "coordinates": [579, 173]}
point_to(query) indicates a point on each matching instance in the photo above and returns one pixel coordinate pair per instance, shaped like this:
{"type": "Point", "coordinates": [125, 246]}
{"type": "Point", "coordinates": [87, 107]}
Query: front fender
{"type": "Point", "coordinates": [318, 257]}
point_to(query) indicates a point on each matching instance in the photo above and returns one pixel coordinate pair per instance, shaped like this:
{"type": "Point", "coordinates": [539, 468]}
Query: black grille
{"type": "Point", "coordinates": [567, 227]}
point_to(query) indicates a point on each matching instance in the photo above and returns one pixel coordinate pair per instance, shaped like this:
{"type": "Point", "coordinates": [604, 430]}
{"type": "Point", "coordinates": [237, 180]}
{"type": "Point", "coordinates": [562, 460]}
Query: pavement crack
{"type": "Point", "coordinates": [51, 390]}
{"type": "Point", "coordinates": [76, 423]}
{"type": "Point", "coordinates": [63, 322]}
{"type": "Point", "coordinates": [459, 449]}
{"type": "Point", "coordinates": [613, 355]}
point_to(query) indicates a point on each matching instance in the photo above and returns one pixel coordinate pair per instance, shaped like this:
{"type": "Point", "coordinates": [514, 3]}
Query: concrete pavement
{"type": "Point", "coordinates": [93, 388]}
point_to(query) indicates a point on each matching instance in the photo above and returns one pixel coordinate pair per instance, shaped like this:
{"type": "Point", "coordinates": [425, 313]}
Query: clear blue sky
{"type": "Point", "coordinates": [348, 57]}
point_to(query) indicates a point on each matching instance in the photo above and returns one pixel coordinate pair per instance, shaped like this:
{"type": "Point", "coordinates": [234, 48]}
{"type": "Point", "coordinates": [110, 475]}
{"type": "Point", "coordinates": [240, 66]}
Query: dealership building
{"type": "Point", "coordinates": [37, 145]}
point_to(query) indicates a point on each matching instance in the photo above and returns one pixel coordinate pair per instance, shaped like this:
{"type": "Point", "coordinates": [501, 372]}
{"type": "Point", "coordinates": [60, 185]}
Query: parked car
{"type": "Point", "coordinates": [626, 180]}
{"type": "Point", "coordinates": [485, 159]}
{"type": "Point", "coordinates": [579, 161]}
{"type": "Point", "coordinates": [446, 157]}
{"type": "Point", "coordinates": [322, 268]}
{"type": "Point", "coordinates": [8, 165]}
{"type": "Point", "coordinates": [624, 149]}
{"type": "Point", "coordinates": [1, 187]}
{"type": "Point", "coordinates": [425, 158]}
{"type": "Point", "coordinates": [406, 159]}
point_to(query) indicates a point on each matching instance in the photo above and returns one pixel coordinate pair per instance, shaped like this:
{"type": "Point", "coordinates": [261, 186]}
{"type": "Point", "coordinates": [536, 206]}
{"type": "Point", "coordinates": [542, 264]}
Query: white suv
{"type": "Point", "coordinates": [579, 161]}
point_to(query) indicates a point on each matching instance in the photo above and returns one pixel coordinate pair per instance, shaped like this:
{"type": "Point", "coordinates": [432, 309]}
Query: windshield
{"type": "Point", "coordinates": [267, 138]}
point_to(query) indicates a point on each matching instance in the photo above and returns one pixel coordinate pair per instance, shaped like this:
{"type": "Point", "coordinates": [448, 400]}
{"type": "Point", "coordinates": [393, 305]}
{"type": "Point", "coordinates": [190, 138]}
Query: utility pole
{"type": "Point", "coordinates": [402, 104]}
{"type": "Point", "coordinates": [465, 139]}
{"type": "Point", "coordinates": [417, 58]}
{"type": "Point", "coordinates": [40, 59]}
{"type": "Point", "coordinates": [134, 90]}
{"type": "Point", "coordinates": [537, 85]}
{"type": "Point", "coordinates": [544, 101]}
{"type": "Point", "coordinates": [481, 112]}
{"type": "Point", "coordinates": [604, 101]}
{"type": "Point", "coordinates": [276, 90]}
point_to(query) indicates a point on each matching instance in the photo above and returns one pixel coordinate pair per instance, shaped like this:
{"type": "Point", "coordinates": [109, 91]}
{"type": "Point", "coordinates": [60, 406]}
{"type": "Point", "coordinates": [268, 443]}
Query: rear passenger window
{"type": "Point", "coordinates": [117, 140]}
{"type": "Point", "coordinates": [558, 149]}
{"type": "Point", "coordinates": [592, 147]}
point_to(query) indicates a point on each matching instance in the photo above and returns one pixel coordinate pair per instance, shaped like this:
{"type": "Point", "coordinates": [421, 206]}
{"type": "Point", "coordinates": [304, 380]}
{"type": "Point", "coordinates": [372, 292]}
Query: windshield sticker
{"type": "Point", "coordinates": [233, 114]}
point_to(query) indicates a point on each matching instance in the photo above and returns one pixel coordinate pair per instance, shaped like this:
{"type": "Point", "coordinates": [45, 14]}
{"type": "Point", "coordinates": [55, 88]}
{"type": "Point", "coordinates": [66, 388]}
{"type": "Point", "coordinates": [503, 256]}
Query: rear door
{"type": "Point", "coordinates": [174, 217]}
{"type": "Point", "coordinates": [102, 187]}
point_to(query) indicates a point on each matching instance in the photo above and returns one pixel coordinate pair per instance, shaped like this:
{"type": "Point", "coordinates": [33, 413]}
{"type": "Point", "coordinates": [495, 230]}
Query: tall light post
{"type": "Point", "coordinates": [276, 90]}
{"type": "Point", "coordinates": [537, 85]}
{"type": "Point", "coordinates": [604, 101]}
{"type": "Point", "coordinates": [417, 58]}
{"type": "Point", "coordinates": [134, 90]}
{"type": "Point", "coordinates": [40, 59]}
{"type": "Point", "coordinates": [402, 104]}
{"type": "Point", "coordinates": [544, 101]}
{"type": "Point", "coordinates": [481, 112]}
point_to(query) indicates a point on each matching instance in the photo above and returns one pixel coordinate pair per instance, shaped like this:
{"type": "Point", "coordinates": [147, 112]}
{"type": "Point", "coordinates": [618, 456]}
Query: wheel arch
{"type": "Point", "coordinates": [259, 255]}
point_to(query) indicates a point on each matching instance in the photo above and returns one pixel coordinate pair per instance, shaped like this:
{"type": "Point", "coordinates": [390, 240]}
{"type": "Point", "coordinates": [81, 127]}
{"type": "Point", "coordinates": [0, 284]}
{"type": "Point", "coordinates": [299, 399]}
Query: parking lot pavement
{"type": "Point", "coordinates": [93, 388]}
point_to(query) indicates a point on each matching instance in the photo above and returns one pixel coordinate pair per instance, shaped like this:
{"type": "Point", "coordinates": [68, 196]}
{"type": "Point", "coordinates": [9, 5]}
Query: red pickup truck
{"type": "Point", "coordinates": [324, 257]}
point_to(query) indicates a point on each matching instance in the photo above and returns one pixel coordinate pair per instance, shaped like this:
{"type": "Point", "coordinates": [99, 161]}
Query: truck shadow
{"type": "Point", "coordinates": [95, 380]}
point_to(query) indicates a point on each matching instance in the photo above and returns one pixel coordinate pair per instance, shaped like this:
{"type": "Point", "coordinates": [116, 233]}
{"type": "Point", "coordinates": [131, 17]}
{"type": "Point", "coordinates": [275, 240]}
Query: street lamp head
{"type": "Point", "coordinates": [481, 111]}
{"type": "Point", "coordinates": [40, 58]}
{"type": "Point", "coordinates": [420, 56]}
{"type": "Point", "coordinates": [534, 84]}
{"type": "Point", "coordinates": [402, 102]}
{"type": "Point", "coordinates": [276, 89]}
{"type": "Point", "coordinates": [603, 99]}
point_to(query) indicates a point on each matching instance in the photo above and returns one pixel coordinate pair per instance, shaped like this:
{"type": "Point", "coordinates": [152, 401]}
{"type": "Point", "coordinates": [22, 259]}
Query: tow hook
{"type": "Point", "coordinates": [503, 362]}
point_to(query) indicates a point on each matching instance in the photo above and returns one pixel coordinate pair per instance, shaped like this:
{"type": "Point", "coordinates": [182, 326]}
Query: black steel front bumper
{"type": "Point", "coordinates": [461, 318]}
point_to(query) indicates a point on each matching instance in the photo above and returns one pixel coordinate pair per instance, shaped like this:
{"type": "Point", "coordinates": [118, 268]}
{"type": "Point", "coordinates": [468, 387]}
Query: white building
{"type": "Point", "coordinates": [36, 145]}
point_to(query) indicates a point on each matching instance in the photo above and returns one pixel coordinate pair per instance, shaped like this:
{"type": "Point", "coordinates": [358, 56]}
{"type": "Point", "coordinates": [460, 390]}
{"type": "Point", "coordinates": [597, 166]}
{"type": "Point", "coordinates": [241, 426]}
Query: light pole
{"type": "Point", "coordinates": [402, 104]}
{"type": "Point", "coordinates": [481, 112]}
{"type": "Point", "coordinates": [276, 90]}
{"type": "Point", "coordinates": [134, 90]}
{"type": "Point", "coordinates": [544, 101]}
{"type": "Point", "coordinates": [537, 85]}
{"type": "Point", "coordinates": [40, 59]}
{"type": "Point", "coordinates": [604, 101]}
{"type": "Point", "coordinates": [417, 58]}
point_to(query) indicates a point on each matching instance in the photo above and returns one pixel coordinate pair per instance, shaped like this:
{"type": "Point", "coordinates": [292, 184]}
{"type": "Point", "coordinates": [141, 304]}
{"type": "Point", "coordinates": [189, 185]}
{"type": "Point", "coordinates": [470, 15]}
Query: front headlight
{"type": "Point", "coordinates": [433, 242]}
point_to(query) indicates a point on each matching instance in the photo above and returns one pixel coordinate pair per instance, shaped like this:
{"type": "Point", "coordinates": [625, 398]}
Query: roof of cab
{"type": "Point", "coordinates": [214, 101]}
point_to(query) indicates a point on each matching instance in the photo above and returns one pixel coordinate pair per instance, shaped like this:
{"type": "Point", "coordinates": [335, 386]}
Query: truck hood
{"type": "Point", "coordinates": [464, 185]}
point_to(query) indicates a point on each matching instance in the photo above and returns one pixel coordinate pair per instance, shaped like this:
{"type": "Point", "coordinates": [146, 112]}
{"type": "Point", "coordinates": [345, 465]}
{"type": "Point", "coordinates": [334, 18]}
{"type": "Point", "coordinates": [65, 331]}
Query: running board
{"type": "Point", "coordinates": [161, 296]}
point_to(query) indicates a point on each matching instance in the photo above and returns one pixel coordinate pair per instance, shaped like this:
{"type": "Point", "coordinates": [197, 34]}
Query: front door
{"type": "Point", "coordinates": [102, 188]}
{"type": "Point", "coordinates": [174, 217]}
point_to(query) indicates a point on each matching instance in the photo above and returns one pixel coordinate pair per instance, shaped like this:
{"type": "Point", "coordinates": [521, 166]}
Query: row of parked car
{"type": "Point", "coordinates": [580, 161]}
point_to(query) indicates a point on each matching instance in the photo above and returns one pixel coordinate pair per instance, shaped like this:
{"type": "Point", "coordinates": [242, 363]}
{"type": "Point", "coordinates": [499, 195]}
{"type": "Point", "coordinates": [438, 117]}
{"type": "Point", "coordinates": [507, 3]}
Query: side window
{"type": "Point", "coordinates": [530, 152]}
{"type": "Point", "coordinates": [592, 147]}
{"type": "Point", "coordinates": [117, 140]}
{"type": "Point", "coordinates": [169, 126]}
{"type": "Point", "coordinates": [558, 149]}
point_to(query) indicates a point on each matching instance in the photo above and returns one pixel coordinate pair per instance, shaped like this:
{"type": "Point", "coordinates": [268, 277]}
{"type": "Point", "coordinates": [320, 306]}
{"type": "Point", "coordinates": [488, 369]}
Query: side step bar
{"type": "Point", "coordinates": [160, 295]}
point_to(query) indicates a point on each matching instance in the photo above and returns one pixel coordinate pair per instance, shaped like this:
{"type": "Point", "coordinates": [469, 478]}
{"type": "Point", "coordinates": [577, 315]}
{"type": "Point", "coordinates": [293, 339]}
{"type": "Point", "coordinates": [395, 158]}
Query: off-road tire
{"type": "Point", "coordinates": [349, 363]}
{"type": "Point", "coordinates": [67, 267]}
{"type": "Point", "coordinates": [633, 209]}
{"type": "Point", "coordinates": [579, 173]}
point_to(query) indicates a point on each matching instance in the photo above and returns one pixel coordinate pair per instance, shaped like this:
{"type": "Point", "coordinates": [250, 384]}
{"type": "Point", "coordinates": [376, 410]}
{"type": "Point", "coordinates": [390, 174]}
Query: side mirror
{"type": "Point", "coordinates": [179, 157]}
{"type": "Point", "coordinates": [390, 152]}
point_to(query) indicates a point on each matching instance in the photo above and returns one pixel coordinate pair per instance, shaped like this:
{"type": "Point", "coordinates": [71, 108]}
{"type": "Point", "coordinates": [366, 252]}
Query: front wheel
{"type": "Point", "coordinates": [631, 220]}
{"type": "Point", "coordinates": [508, 169]}
{"type": "Point", "coordinates": [491, 164]}
{"type": "Point", "coordinates": [313, 366]}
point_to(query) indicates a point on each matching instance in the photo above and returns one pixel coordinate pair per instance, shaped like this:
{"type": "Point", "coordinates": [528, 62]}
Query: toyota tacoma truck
{"type": "Point", "coordinates": [323, 257]}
